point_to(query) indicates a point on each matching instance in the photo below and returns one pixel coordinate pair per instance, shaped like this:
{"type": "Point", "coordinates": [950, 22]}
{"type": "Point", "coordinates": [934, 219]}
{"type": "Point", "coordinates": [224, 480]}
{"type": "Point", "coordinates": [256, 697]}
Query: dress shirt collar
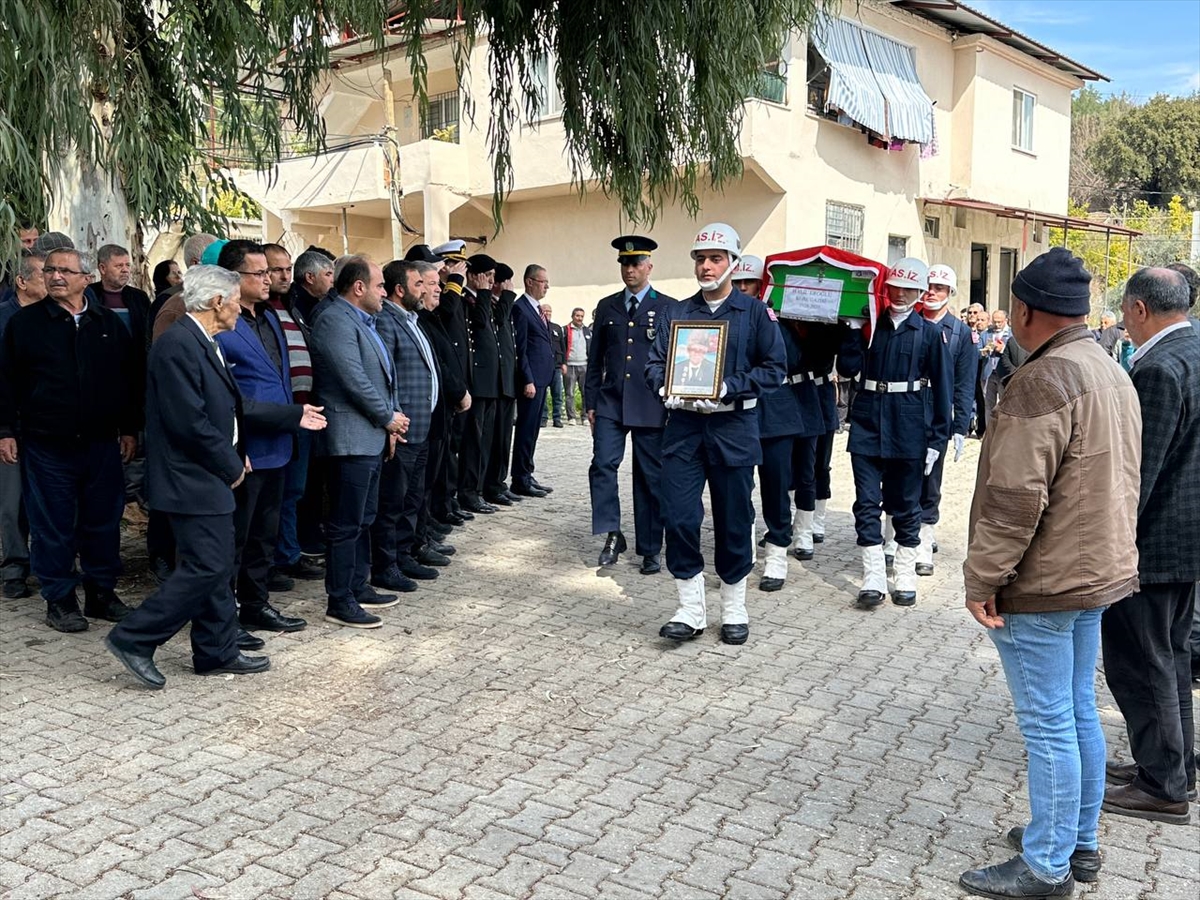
{"type": "Point", "coordinates": [1149, 345]}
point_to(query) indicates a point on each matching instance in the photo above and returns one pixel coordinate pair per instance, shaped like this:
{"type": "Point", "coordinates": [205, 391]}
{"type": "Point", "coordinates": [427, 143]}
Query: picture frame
{"type": "Point", "coordinates": [696, 366]}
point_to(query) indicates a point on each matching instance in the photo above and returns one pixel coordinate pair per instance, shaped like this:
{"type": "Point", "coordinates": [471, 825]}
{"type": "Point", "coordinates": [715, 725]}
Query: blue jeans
{"type": "Point", "coordinates": [1050, 664]}
{"type": "Point", "coordinates": [295, 477]}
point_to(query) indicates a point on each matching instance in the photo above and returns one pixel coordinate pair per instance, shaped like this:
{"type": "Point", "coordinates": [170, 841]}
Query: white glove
{"type": "Point", "coordinates": [705, 406]}
{"type": "Point", "coordinates": [959, 440]}
{"type": "Point", "coordinates": [931, 456]}
{"type": "Point", "coordinates": [673, 402]}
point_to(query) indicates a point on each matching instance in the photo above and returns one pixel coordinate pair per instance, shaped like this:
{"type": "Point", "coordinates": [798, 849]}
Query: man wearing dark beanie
{"type": "Point", "coordinates": [1057, 484]}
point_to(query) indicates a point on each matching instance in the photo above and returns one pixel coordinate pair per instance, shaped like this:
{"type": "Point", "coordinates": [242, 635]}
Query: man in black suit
{"type": "Point", "coordinates": [484, 345]}
{"type": "Point", "coordinates": [194, 463]}
{"type": "Point", "coordinates": [535, 354]}
{"type": "Point", "coordinates": [1147, 661]}
{"type": "Point", "coordinates": [495, 480]}
{"type": "Point", "coordinates": [558, 344]}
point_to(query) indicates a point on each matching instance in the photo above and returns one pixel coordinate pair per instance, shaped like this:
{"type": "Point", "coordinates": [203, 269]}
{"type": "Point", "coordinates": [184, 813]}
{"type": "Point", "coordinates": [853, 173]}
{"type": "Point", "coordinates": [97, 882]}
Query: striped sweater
{"type": "Point", "coordinates": [297, 346]}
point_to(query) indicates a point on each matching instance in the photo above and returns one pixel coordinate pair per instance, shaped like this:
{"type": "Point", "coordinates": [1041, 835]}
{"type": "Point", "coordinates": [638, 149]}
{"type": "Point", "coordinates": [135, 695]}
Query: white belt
{"type": "Point", "coordinates": [894, 387]}
{"type": "Point", "coordinates": [801, 377]}
{"type": "Point", "coordinates": [724, 407]}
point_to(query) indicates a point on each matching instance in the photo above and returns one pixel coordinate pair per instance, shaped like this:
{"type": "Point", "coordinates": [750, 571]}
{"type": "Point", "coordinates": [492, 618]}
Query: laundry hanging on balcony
{"type": "Point", "coordinates": [873, 81]}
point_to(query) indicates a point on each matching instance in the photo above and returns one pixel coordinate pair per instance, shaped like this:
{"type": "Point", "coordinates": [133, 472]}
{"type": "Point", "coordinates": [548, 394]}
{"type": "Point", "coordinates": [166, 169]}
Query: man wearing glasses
{"type": "Point", "coordinates": [69, 413]}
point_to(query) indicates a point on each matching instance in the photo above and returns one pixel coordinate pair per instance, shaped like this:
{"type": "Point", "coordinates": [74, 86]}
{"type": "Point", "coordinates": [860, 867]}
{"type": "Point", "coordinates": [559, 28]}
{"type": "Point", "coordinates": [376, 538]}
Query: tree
{"type": "Point", "coordinates": [160, 97]}
{"type": "Point", "coordinates": [1092, 114]}
{"type": "Point", "coordinates": [1152, 151]}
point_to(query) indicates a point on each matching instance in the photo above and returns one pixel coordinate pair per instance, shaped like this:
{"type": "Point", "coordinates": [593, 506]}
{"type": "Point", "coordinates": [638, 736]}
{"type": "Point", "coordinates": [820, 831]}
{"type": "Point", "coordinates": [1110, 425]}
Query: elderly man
{"type": "Point", "coordinates": [353, 376]}
{"type": "Point", "coordinates": [67, 391]}
{"type": "Point", "coordinates": [311, 282]}
{"type": "Point", "coordinates": [1108, 334]}
{"type": "Point", "coordinates": [194, 465]}
{"type": "Point", "coordinates": [114, 291]}
{"type": "Point", "coordinates": [1147, 661]}
{"type": "Point", "coordinates": [1068, 429]}
{"type": "Point", "coordinates": [558, 343]}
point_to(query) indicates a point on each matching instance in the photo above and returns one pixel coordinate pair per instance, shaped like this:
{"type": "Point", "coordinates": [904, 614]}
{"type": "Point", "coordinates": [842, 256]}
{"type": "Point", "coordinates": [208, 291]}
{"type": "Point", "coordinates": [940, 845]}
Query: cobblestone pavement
{"type": "Point", "coordinates": [517, 729]}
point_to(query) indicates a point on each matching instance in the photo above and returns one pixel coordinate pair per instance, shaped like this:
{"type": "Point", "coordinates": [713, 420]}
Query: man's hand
{"type": "Point", "coordinates": [959, 441]}
{"type": "Point", "coordinates": [458, 267]}
{"type": "Point", "coordinates": [8, 451]}
{"type": "Point", "coordinates": [931, 456]}
{"type": "Point", "coordinates": [399, 423]}
{"type": "Point", "coordinates": [128, 447]}
{"type": "Point", "coordinates": [984, 612]}
{"type": "Point", "coordinates": [591, 417]}
{"type": "Point", "coordinates": [312, 420]}
{"type": "Point", "coordinates": [392, 440]}
{"type": "Point", "coordinates": [465, 403]}
{"type": "Point", "coordinates": [245, 470]}
{"type": "Point", "coordinates": [564, 368]}
{"type": "Point", "coordinates": [530, 392]}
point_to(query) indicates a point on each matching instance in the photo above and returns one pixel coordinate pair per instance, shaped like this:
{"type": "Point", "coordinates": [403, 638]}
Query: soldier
{"type": "Point", "coordinates": [495, 482]}
{"type": "Point", "coordinates": [451, 311]}
{"type": "Point", "coordinates": [715, 441]}
{"type": "Point", "coordinates": [484, 344]}
{"type": "Point", "coordinates": [618, 402]}
{"type": "Point", "coordinates": [899, 425]}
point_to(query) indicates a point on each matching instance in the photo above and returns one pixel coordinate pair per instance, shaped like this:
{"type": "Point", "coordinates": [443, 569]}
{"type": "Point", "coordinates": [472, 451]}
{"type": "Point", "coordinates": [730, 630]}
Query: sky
{"type": "Point", "coordinates": [1145, 47]}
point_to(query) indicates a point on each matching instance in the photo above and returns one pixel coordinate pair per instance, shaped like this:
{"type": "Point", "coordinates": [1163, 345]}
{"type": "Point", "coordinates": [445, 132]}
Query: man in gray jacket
{"type": "Point", "coordinates": [353, 377]}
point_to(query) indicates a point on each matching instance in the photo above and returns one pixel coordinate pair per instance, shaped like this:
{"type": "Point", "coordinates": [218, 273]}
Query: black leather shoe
{"type": "Point", "coordinates": [478, 506]}
{"type": "Point", "coordinates": [869, 599]}
{"type": "Point", "coordinates": [803, 555]}
{"type": "Point", "coordinates": [818, 538]}
{"type": "Point", "coordinates": [770, 585]}
{"type": "Point", "coordinates": [16, 589]}
{"type": "Point", "coordinates": [414, 569]}
{"type": "Point", "coordinates": [441, 547]}
{"type": "Point", "coordinates": [240, 665]}
{"type": "Point", "coordinates": [924, 569]}
{"type": "Point", "coordinates": [427, 556]}
{"type": "Point", "coordinates": [1120, 773]}
{"type": "Point", "coordinates": [103, 603]}
{"type": "Point", "coordinates": [465, 514]}
{"type": "Point", "coordinates": [1085, 864]}
{"type": "Point", "coordinates": [651, 564]}
{"type": "Point", "coordinates": [1131, 800]}
{"type": "Point", "coordinates": [453, 520]}
{"type": "Point", "coordinates": [393, 580]}
{"type": "Point", "coordinates": [64, 615]}
{"type": "Point", "coordinates": [678, 631]}
{"type": "Point", "coordinates": [1012, 880]}
{"type": "Point", "coordinates": [247, 641]}
{"type": "Point", "coordinates": [533, 482]}
{"type": "Point", "coordinates": [515, 498]}
{"type": "Point", "coordinates": [278, 583]}
{"type": "Point", "coordinates": [160, 569]}
{"type": "Point", "coordinates": [904, 598]}
{"type": "Point", "coordinates": [614, 546]}
{"type": "Point", "coordinates": [439, 530]}
{"type": "Point", "coordinates": [498, 500]}
{"type": "Point", "coordinates": [735, 634]}
{"type": "Point", "coordinates": [268, 618]}
{"type": "Point", "coordinates": [304, 569]}
{"type": "Point", "coordinates": [527, 491]}
{"type": "Point", "coordinates": [140, 667]}
{"type": "Point", "coordinates": [558, 424]}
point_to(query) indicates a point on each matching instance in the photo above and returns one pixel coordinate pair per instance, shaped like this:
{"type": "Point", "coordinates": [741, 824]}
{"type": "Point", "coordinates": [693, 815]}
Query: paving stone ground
{"type": "Point", "coordinates": [517, 729]}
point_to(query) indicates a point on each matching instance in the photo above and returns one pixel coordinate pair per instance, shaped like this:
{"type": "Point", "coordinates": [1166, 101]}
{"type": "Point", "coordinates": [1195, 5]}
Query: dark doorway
{"type": "Point", "coordinates": [979, 274]}
{"type": "Point", "coordinates": [1008, 271]}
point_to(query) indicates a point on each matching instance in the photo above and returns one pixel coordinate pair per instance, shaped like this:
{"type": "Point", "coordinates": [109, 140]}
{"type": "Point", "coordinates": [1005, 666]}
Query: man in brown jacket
{"type": "Point", "coordinates": [1057, 487]}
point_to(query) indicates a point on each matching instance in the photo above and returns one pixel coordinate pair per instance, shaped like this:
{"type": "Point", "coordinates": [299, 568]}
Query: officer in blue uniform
{"type": "Point", "coordinates": [618, 402]}
{"type": "Point", "coordinates": [715, 441]}
{"type": "Point", "coordinates": [899, 425]}
{"type": "Point", "coordinates": [812, 449]}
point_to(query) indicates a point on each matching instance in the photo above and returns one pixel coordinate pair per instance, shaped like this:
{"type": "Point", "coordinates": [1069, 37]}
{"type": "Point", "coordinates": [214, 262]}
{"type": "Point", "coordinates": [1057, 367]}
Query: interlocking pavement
{"type": "Point", "coordinates": [517, 729]}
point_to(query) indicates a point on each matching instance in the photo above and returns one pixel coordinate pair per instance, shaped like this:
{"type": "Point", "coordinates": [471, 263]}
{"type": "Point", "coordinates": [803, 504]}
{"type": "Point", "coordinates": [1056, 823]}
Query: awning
{"type": "Point", "coordinates": [1053, 220]}
{"type": "Point", "coordinates": [873, 80]}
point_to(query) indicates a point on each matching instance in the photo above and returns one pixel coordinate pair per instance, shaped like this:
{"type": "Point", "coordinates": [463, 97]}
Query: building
{"type": "Point", "coordinates": [903, 127]}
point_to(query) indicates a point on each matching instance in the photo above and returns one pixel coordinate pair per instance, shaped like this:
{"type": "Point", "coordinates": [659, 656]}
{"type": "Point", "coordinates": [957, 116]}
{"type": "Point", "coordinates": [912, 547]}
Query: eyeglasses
{"type": "Point", "coordinates": [540, 281]}
{"type": "Point", "coordinates": [62, 270]}
{"type": "Point", "coordinates": [260, 273]}
{"type": "Point", "coordinates": [277, 270]}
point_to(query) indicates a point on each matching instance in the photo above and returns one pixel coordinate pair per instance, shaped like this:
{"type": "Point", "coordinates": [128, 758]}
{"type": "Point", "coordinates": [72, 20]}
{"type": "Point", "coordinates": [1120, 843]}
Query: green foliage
{"type": "Point", "coordinates": [233, 204]}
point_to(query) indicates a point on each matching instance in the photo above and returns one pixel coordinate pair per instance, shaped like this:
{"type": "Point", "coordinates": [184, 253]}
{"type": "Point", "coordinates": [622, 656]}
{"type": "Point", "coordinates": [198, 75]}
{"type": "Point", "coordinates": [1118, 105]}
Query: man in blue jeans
{"type": "Point", "coordinates": [1038, 575]}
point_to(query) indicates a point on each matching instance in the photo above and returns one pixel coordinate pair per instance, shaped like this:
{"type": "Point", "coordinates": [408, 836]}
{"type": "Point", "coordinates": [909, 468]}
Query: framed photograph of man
{"type": "Point", "coordinates": [697, 362]}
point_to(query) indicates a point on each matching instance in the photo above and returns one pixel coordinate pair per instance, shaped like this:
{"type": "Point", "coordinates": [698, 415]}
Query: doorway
{"type": "Point", "coordinates": [1008, 271]}
{"type": "Point", "coordinates": [979, 274]}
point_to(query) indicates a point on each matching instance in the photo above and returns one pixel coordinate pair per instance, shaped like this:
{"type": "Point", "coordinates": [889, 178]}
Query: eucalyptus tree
{"type": "Point", "coordinates": [162, 95]}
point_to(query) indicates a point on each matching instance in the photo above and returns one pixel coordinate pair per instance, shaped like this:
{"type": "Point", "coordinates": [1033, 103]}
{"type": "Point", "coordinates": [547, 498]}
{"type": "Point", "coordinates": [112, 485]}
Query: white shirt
{"type": "Point", "coordinates": [1149, 345]}
{"type": "Point", "coordinates": [221, 357]}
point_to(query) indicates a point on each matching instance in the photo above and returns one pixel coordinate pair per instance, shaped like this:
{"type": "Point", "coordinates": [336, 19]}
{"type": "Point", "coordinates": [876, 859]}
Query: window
{"type": "Point", "coordinates": [1024, 104]}
{"type": "Point", "coordinates": [440, 119]}
{"type": "Point", "coordinates": [897, 249]}
{"type": "Point", "coordinates": [772, 81]}
{"type": "Point", "coordinates": [844, 226]}
{"type": "Point", "coordinates": [550, 102]}
{"type": "Point", "coordinates": [933, 227]}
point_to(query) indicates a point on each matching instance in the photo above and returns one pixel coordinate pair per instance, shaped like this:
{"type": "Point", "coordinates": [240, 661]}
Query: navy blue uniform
{"type": "Point", "coordinates": [780, 420]}
{"type": "Point", "coordinates": [890, 432]}
{"type": "Point", "coordinates": [615, 387]}
{"type": "Point", "coordinates": [964, 361]}
{"type": "Point", "coordinates": [819, 346]}
{"type": "Point", "coordinates": [719, 448]}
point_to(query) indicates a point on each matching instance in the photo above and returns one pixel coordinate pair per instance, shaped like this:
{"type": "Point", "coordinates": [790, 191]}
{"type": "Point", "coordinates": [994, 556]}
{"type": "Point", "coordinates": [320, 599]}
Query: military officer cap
{"type": "Point", "coordinates": [452, 250]}
{"type": "Point", "coordinates": [421, 253]}
{"type": "Point", "coordinates": [503, 273]}
{"type": "Point", "coordinates": [633, 248]}
{"type": "Point", "coordinates": [480, 263]}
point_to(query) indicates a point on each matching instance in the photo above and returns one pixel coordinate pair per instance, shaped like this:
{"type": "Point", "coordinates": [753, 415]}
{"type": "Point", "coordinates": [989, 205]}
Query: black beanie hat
{"type": "Point", "coordinates": [1056, 282]}
{"type": "Point", "coordinates": [503, 273]}
{"type": "Point", "coordinates": [480, 263]}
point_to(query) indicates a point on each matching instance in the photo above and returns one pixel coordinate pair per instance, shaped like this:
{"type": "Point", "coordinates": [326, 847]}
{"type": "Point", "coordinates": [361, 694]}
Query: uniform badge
{"type": "Point", "coordinates": [650, 332]}
{"type": "Point", "coordinates": [629, 246]}
{"type": "Point", "coordinates": [771, 313]}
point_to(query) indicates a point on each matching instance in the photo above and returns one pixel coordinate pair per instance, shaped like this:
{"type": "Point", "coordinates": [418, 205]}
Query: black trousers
{"type": "Point", "coordinates": [478, 433]}
{"type": "Point", "coordinates": [401, 490]}
{"type": "Point", "coordinates": [435, 473]}
{"type": "Point", "coordinates": [931, 489]}
{"type": "Point", "coordinates": [824, 470]}
{"type": "Point", "coordinates": [310, 508]}
{"type": "Point", "coordinates": [160, 541]}
{"type": "Point", "coordinates": [774, 482]}
{"type": "Point", "coordinates": [197, 592]}
{"type": "Point", "coordinates": [255, 530]}
{"type": "Point", "coordinates": [529, 425]}
{"type": "Point", "coordinates": [804, 471]}
{"type": "Point", "coordinates": [495, 479]}
{"type": "Point", "coordinates": [1147, 664]}
{"type": "Point", "coordinates": [890, 485]}
{"type": "Point", "coordinates": [445, 489]}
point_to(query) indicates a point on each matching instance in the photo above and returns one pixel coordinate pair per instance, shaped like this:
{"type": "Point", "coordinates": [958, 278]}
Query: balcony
{"type": "Point", "coordinates": [343, 176]}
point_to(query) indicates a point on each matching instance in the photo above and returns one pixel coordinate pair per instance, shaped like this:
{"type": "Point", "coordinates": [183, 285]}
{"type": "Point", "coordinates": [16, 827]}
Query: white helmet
{"type": "Point", "coordinates": [943, 274]}
{"type": "Point", "coordinates": [718, 236]}
{"type": "Point", "coordinates": [750, 268]}
{"type": "Point", "coordinates": [909, 273]}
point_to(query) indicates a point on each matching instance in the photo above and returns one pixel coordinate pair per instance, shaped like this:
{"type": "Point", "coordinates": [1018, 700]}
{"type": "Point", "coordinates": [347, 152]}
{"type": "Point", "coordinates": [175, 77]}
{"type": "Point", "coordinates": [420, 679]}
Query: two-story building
{"type": "Point", "coordinates": [900, 127]}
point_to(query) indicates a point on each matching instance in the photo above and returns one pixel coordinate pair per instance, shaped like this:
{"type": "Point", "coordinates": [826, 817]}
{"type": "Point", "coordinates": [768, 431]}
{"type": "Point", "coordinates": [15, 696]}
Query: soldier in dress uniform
{"type": "Point", "coordinates": [899, 425]}
{"type": "Point", "coordinates": [495, 481]}
{"type": "Point", "coordinates": [715, 441]}
{"type": "Point", "coordinates": [618, 402]}
{"type": "Point", "coordinates": [451, 312]}
{"type": "Point", "coordinates": [479, 430]}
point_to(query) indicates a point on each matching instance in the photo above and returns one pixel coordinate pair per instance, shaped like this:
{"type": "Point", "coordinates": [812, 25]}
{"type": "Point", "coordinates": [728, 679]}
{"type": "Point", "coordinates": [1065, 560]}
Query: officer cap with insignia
{"type": "Point", "coordinates": [633, 248]}
{"type": "Point", "coordinates": [453, 251]}
{"type": "Point", "coordinates": [480, 263]}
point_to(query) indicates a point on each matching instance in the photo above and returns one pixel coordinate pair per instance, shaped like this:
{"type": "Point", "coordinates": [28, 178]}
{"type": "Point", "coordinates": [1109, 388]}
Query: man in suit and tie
{"type": "Point", "coordinates": [697, 370]}
{"type": "Point", "coordinates": [535, 357]}
{"type": "Point", "coordinates": [193, 464]}
{"type": "Point", "coordinates": [354, 378]}
{"type": "Point", "coordinates": [1147, 661]}
{"type": "Point", "coordinates": [394, 544]}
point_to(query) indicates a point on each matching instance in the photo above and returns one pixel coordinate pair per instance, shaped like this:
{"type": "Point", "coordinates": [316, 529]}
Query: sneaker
{"type": "Point", "coordinates": [103, 603]}
{"type": "Point", "coordinates": [352, 616]}
{"type": "Point", "coordinates": [413, 569]}
{"type": "Point", "coordinates": [64, 615]}
{"type": "Point", "coordinates": [427, 556]}
{"type": "Point", "coordinates": [373, 600]}
{"type": "Point", "coordinates": [393, 580]}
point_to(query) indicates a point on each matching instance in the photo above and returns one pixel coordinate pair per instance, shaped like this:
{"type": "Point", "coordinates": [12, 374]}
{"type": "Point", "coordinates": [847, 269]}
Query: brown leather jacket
{"type": "Point", "coordinates": [1054, 518]}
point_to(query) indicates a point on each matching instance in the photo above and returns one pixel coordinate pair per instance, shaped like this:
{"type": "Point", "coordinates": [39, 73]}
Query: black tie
{"type": "Point", "coordinates": [633, 305]}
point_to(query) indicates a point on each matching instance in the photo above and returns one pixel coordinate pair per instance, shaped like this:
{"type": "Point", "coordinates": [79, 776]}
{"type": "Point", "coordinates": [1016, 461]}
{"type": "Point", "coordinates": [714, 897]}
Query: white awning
{"type": "Point", "coordinates": [873, 80]}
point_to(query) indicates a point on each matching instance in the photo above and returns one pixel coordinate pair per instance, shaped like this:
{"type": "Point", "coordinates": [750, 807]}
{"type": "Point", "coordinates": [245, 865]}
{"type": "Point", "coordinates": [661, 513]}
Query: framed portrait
{"type": "Point", "coordinates": [697, 364]}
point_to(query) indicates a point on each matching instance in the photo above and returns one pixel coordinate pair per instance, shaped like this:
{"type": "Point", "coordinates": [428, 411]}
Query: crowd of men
{"type": "Point", "coordinates": [337, 419]}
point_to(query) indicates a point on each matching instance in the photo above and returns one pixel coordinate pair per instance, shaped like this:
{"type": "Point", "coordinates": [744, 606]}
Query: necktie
{"type": "Point", "coordinates": [633, 305]}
